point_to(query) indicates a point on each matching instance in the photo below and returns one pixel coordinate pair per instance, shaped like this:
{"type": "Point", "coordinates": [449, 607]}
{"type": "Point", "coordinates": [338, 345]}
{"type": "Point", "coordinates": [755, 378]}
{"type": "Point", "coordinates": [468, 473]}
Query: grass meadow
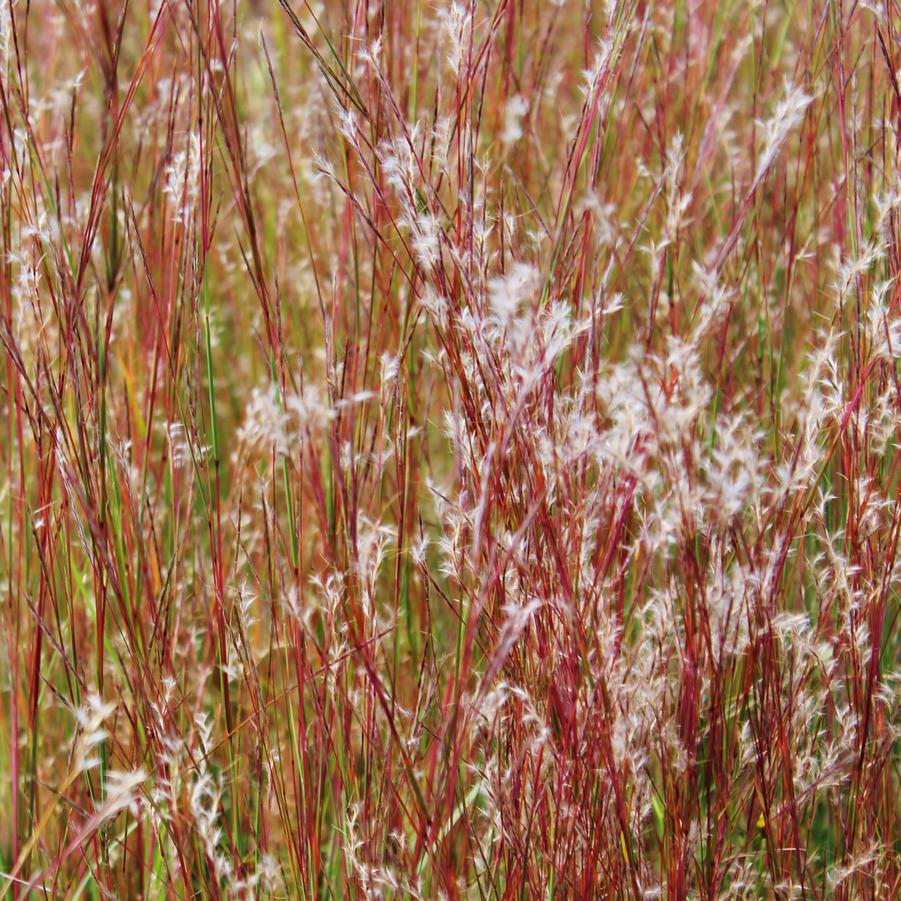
{"type": "Point", "coordinates": [449, 449]}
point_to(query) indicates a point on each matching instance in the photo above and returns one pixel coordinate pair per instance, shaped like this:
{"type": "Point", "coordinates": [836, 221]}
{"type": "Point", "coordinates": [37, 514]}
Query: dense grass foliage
{"type": "Point", "coordinates": [450, 449]}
